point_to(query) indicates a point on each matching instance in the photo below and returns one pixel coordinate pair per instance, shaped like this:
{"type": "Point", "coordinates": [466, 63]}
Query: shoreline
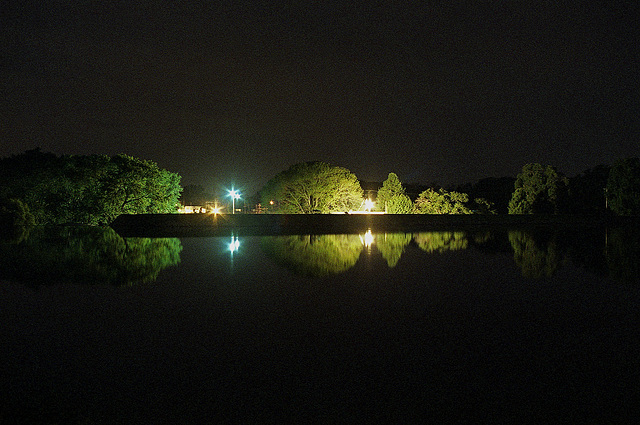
{"type": "Point", "coordinates": [193, 225]}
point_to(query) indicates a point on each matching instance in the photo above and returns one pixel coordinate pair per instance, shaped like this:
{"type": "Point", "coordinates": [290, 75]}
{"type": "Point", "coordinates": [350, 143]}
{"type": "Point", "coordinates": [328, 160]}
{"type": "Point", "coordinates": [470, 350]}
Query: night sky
{"type": "Point", "coordinates": [233, 92]}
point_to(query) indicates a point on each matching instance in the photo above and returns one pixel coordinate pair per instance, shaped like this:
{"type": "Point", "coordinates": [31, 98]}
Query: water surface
{"type": "Point", "coordinates": [485, 326]}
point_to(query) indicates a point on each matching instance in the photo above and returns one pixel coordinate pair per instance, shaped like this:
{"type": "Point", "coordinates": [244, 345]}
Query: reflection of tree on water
{"type": "Point", "coordinates": [586, 249]}
{"type": "Point", "coordinates": [538, 254]}
{"type": "Point", "coordinates": [623, 252]}
{"type": "Point", "coordinates": [537, 257]}
{"type": "Point", "coordinates": [14, 234]}
{"type": "Point", "coordinates": [86, 255]}
{"type": "Point", "coordinates": [441, 241]}
{"type": "Point", "coordinates": [320, 255]}
{"type": "Point", "coordinates": [314, 255]}
{"type": "Point", "coordinates": [392, 245]}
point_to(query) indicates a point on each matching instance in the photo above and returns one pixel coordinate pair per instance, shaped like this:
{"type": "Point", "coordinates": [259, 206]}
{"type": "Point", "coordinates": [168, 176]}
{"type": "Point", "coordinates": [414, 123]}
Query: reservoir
{"type": "Point", "coordinates": [484, 325]}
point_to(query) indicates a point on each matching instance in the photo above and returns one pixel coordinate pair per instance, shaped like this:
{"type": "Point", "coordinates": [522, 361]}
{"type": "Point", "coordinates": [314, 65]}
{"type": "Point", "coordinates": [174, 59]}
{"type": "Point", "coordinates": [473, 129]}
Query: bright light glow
{"type": "Point", "coordinates": [367, 239]}
{"type": "Point", "coordinates": [234, 195]}
{"type": "Point", "coordinates": [234, 245]}
{"type": "Point", "coordinates": [368, 205]}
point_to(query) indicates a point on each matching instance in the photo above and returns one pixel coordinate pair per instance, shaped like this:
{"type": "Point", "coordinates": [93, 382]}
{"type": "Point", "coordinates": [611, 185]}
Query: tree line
{"type": "Point", "coordinates": [43, 188]}
{"type": "Point", "coordinates": [318, 187]}
{"type": "Point", "coordinates": [543, 190]}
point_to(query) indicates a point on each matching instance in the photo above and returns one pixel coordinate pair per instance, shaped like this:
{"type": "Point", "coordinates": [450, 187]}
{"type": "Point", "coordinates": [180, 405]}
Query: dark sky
{"type": "Point", "coordinates": [233, 92]}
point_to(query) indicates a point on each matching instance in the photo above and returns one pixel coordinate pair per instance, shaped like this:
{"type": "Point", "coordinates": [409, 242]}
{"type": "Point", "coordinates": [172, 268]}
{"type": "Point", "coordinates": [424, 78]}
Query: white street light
{"type": "Point", "coordinates": [234, 195]}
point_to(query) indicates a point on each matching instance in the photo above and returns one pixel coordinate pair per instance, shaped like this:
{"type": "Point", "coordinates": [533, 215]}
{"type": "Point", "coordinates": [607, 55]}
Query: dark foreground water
{"type": "Point", "coordinates": [482, 327]}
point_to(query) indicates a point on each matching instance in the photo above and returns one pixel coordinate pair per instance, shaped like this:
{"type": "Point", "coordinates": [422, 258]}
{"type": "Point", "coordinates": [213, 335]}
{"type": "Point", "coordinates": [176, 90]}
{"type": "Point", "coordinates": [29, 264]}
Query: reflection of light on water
{"type": "Point", "coordinates": [367, 239]}
{"type": "Point", "coordinates": [234, 245]}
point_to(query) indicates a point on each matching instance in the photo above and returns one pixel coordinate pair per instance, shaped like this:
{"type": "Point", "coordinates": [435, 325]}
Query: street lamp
{"type": "Point", "coordinates": [234, 195]}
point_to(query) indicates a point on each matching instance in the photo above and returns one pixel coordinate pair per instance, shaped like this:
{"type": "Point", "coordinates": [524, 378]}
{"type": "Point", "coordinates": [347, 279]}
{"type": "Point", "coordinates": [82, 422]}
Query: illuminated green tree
{"type": "Point", "coordinates": [442, 202]}
{"type": "Point", "coordinates": [539, 190]}
{"type": "Point", "coordinates": [623, 187]}
{"type": "Point", "coordinates": [135, 186]}
{"type": "Point", "coordinates": [391, 196]}
{"type": "Point", "coordinates": [314, 255]}
{"type": "Point", "coordinates": [399, 204]}
{"type": "Point", "coordinates": [87, 189]}
{"type": "Point", "coordinates": [313, 187]}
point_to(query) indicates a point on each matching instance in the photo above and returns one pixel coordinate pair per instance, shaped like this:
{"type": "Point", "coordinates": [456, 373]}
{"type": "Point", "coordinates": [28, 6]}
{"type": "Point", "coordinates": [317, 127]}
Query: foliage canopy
{"type": "Point", "coordinates": [623, 187]}
{"type": "Point", "coordinates": [400, 204]}
{"type": "Point", "coordinates": [391, 196]}
{"type": "Point", "coordinates": [587, 191]}
{"type": "Point", "coordinates": [91, 189]}
{"type": "Point", "coordinates": [442, 202]}
{"type": "Point", "coordinates": [313, 187]}
{"type": "Point", "coordinates": [539, 190]}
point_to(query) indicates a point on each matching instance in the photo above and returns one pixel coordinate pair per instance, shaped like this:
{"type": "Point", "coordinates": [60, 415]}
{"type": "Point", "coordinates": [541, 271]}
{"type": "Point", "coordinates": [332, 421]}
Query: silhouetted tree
{"type": "Point", "coordinates": [623, 187]}
{"type": "Point", "coordinates": [496, 190]}
{"type": "Point", "coordinates": [539, 190]}
{"type": "Point", "coordinates": [587, 191]}
{"type": "Point", "coordinates": [482, 206]}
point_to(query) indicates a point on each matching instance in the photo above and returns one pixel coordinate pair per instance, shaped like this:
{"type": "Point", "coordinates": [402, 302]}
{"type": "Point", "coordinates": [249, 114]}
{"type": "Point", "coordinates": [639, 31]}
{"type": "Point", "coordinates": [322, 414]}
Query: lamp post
{"type": "Point", "coordinates": [234, 195]}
